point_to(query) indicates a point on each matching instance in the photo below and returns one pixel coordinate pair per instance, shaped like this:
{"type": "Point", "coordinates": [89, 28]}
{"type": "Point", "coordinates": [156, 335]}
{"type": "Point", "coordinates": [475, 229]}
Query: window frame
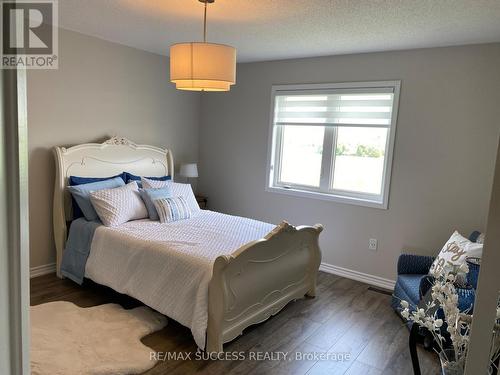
{"type": "Point", "coordinates": [325, 191]}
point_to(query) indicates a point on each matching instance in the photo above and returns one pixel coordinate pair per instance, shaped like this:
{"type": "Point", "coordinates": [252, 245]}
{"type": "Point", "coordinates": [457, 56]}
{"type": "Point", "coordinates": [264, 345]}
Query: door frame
{"type": "Point", "coordinates": [488, 286]}
{"type": "Point", "coordinates": [14, 225]}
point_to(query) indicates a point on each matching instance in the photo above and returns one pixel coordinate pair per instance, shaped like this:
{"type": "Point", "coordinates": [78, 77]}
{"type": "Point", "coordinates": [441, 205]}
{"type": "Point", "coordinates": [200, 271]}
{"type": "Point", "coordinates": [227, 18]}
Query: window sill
{"type": "Point", "coordinates": [328, 197]}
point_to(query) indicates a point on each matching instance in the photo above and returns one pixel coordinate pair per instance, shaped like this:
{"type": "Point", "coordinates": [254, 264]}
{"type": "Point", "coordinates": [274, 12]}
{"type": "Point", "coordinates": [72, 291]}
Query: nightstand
{"type": "Point", "coordinates": [202, 201]}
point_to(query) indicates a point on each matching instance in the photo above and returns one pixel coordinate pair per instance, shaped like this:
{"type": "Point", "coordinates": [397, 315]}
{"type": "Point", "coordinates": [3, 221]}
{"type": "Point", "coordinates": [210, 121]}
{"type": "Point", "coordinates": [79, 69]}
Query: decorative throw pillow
{"type": "Point", "coordinates": [172, 209]}
{"type": "Point", "coordinates": [178, 190]}
{"type": "Point", "coordinates": [119, 205]}
{"type": "Point", "coordinates": [81, 194]}
{"type": "Point", "coordinates": [149, 195]}
{"type": "Point", "coordinates": [454, 253]}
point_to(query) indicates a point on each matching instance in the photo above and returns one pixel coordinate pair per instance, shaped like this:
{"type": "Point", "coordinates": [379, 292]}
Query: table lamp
{"type": "Point", "coordinates": [189, 170]}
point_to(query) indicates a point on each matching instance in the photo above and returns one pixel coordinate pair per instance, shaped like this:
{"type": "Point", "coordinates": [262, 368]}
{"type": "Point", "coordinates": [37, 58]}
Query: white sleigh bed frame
{"type": "Point", "coordinates": [247, 287]}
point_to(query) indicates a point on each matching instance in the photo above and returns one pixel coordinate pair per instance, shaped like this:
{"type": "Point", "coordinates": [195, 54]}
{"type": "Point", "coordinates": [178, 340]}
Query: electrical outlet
{"type": "Point", "coordinates": [372, 244]}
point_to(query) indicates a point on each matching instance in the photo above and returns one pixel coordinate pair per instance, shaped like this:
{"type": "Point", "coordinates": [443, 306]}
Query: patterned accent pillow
{"type": "Point", "coordinates": [178, 190]}
{"type": "Point", "coordinates": [172, 209]}
{"type": "Point", "coordinates": [454, 253]}
{"type": "Point", "coordinates": [119, 205]}
{"type": "Point", "coordinates": [149, 195]}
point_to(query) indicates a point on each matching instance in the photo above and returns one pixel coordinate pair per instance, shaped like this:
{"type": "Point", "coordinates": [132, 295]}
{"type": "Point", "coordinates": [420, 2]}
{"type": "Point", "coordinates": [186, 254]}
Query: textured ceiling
{"type": "Point", "coordinates": [279, 29]}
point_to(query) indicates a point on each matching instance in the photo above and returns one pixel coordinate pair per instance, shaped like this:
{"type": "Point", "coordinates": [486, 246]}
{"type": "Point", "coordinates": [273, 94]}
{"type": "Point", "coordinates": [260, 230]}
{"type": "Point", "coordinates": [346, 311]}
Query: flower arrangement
{"type": "Point", "coordinates": [443, 295]}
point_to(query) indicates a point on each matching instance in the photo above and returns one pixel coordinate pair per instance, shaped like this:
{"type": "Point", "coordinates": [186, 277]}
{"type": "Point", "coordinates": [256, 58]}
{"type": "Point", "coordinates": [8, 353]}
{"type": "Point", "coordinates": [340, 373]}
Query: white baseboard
{"type": "Point", "coordinates": [358, 276]}
{"type": "Point", "coordinates": [42, 270]}
{"type": "Point", "coordinates": [329, 268]}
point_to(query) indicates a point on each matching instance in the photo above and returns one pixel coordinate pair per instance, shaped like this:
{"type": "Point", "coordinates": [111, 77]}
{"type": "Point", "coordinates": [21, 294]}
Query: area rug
{"type": "Point", "coordinates": [67, 339]}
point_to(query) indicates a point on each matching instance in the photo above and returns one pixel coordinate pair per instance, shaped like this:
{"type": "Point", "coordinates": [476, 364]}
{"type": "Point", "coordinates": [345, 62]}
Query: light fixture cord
{"type": "Point", "coordinates": [205, 24]}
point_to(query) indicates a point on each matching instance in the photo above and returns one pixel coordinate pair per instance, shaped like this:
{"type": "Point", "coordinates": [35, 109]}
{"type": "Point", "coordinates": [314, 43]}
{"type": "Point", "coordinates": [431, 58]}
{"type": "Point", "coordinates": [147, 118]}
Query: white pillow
{"type": "Point", "coordinates": [154, 184]}
{"type": "Point", "coordinates": [178, 190]}
{"type": "Point", "coordinates": [119, 205]}
{"type": "Point", "coordinates": [454, 253]}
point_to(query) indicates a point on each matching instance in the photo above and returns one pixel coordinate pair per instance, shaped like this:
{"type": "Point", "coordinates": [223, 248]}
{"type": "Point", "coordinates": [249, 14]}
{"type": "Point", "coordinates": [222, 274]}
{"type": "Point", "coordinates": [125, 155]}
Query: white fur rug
{"type": "Point", "coordinates": [67, 339]}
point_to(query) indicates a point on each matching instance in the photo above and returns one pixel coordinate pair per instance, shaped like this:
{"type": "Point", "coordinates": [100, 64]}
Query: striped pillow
{"type": "Point", "coordinates": [172, 209]}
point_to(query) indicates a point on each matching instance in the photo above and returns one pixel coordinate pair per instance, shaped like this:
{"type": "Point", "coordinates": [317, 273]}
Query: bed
{"type": "Point", "coordinates": [246, 270]}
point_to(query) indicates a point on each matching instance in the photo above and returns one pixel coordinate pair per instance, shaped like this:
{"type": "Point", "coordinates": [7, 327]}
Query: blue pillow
{"type": "Point", "coordinates": [76, 180]}
{"type": "Point", "coordinates": [81, 194]}
{"type": "Point", "coordinates": [132, 177]}
{"type": "Point", "coordinates": [149, 195]}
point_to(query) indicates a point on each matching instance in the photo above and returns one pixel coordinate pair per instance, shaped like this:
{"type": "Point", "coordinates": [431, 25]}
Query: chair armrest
{"type": "Point", "coordinates": [466, 296]}
{"type": "Point", "coordinates": [414, 264]}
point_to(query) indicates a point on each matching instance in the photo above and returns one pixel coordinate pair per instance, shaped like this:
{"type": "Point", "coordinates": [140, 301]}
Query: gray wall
{"type": "Point", "coordinates": [100, 89]}
{"type": "Point", "coordinates": [444, 153]}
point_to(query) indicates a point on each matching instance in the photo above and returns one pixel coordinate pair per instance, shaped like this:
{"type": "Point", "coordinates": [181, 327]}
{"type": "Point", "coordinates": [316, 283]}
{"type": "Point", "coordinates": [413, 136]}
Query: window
{"type": "Point", "coordinates": [334, 141]}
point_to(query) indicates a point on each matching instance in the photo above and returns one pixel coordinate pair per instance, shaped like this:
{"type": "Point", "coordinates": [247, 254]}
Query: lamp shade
{"type": "Point", "coordinates": [201, 66]}
{"type": "Point", "coordinates": [189, 170]}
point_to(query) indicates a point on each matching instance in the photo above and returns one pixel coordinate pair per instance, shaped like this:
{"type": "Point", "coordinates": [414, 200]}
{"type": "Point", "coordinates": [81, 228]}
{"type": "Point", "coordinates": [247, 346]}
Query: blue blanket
{"type": "Point", "coordinates": [77, 249]}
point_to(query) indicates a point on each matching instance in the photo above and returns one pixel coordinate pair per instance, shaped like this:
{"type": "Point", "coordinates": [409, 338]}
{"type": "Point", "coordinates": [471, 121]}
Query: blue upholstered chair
{"type": "Point", "coordinates": [413, 281]}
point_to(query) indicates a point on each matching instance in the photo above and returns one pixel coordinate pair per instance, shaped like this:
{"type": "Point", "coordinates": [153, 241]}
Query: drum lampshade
{"type": "Point", "coordinates": [201, 66]}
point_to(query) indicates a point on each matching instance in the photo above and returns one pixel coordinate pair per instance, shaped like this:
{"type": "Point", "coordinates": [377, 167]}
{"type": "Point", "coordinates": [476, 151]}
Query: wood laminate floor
{"type": "Point", "coordinates": [345, 317]}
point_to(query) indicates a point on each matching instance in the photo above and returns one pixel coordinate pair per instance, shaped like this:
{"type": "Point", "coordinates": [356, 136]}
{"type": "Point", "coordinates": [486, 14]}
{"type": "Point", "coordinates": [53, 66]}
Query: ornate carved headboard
{"type": "Point", "coordinates": [112, 157]}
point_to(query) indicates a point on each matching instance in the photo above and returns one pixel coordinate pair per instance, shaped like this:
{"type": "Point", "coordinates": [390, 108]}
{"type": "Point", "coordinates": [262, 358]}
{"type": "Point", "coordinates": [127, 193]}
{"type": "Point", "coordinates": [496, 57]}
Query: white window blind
{"type": "Point", "coordinates": [341, 107]}
{"type": "Point", "coordinates": [334, 141]}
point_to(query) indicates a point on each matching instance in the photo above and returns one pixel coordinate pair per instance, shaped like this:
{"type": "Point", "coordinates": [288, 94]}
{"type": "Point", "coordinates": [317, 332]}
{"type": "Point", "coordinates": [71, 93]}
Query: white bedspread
{"type": "Point", "coordinates": [168, 266]}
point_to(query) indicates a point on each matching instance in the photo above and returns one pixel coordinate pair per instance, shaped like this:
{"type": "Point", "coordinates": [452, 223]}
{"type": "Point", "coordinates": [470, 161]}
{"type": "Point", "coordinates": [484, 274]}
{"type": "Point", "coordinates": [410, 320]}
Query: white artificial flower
{"type": "Point", "coordinates": [464, 268]}
{"type": "Point", "coordinates": [444, 296]}
{"type": "Point", "coordinates": [436, 287]}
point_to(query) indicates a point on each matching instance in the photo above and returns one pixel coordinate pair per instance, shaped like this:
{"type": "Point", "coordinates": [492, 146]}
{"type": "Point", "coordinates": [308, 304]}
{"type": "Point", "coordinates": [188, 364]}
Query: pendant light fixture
{"type": "Point", "coordinates": [202, 66]}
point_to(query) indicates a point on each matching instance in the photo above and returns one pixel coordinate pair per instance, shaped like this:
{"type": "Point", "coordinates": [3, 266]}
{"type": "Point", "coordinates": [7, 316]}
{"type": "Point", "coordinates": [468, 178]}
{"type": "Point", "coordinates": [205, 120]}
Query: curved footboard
{"type": "Point", "coordinates": [259, 279]}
